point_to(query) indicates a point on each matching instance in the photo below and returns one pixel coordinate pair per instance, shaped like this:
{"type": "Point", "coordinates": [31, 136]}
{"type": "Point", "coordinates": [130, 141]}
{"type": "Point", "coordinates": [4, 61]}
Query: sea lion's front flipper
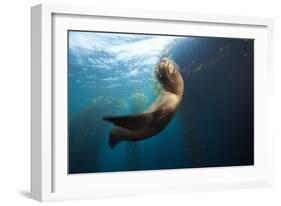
{"type": "Point", "coordinates": [133, 122]}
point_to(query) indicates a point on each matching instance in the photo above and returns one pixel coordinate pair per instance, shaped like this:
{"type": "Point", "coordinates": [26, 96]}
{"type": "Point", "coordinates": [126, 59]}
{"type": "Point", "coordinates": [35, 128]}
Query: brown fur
{"type": "Point", "coordinates": [164, 107]}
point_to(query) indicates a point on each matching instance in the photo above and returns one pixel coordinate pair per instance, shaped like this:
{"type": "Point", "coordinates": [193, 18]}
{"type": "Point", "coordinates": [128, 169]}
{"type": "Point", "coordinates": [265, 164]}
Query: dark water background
{"type": "Point", "coordinates": [114, 74]}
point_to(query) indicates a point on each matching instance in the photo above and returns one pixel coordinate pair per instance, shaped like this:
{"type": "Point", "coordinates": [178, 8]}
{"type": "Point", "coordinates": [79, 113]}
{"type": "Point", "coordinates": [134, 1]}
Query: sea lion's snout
{"type": "Point", "coordinates": [168, 65]}
{"type": "Point", "coordinates": [164, 69]}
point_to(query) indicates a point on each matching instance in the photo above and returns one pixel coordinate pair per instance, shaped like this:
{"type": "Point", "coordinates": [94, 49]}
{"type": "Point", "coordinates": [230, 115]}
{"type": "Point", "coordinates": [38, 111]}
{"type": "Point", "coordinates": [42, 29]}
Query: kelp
{"type": "Point", "coordinates": [138, 104]}
{"type": "Point", "coordinates": [87, 131]}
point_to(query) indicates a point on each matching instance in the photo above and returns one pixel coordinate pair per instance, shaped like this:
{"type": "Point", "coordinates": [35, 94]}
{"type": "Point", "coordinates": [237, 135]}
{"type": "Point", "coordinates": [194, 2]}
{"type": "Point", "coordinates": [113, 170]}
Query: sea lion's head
{"type": "Point", "coordinates": [168, 74]}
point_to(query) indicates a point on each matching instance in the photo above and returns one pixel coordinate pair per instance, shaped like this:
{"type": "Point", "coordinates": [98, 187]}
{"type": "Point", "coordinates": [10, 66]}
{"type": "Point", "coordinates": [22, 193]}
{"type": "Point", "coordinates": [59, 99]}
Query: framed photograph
{"type": "Point", "coordinates": [137, 102]}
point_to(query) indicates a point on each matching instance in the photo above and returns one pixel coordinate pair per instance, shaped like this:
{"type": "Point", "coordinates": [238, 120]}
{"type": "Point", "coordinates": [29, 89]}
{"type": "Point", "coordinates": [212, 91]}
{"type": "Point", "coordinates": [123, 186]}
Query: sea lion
{"type": "Point", "coordinates": [159, 114]}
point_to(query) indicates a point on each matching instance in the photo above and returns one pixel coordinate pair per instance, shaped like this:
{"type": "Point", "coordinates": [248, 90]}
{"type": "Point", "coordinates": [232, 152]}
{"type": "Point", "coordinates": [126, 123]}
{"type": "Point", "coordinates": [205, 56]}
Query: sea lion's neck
{"type": "Point", "coordinates": [180, 86]}
{"type": "Point", "coordinates": [176, 86]}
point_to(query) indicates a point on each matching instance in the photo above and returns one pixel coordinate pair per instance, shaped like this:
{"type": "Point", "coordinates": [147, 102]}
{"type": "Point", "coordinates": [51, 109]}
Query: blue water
{"type": "Point", "coordinates": [113, 74]}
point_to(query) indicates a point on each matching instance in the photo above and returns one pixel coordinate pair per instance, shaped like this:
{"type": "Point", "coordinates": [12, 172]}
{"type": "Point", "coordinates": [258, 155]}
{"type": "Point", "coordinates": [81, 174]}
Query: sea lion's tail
{"type": "Point", "coordinates": [113, 142]}
{"type": "Point", "coordinates": [114, 138]}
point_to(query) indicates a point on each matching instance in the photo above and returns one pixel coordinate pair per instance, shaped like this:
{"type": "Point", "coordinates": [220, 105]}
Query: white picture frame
{"type": "Point", "coordinates": [48, 178]}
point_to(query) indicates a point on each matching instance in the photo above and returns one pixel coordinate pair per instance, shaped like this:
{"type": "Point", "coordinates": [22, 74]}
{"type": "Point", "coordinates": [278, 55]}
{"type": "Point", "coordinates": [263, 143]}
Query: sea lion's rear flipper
{"type": "Point", "coordinates": [133, 122]}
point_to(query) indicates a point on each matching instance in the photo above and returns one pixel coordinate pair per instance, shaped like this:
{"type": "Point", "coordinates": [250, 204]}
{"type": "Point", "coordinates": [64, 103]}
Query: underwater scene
{"type": "Point", "coordinates": [150, 102]}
